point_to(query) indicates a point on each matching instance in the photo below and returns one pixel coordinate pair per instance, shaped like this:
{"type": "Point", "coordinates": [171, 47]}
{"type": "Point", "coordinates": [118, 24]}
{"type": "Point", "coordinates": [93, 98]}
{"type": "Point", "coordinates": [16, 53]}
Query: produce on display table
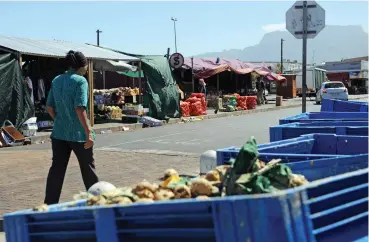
{"type": "Point", "coordinates": [110, 112]}
{"type": "Point", "coordinates": [229, 103]}
{"type": "Point", "coordinates": [126, 91]}
{"type": "Point", "coordinates": [246, 175]}
{"type": "Point", "coordinates": [134, 110]}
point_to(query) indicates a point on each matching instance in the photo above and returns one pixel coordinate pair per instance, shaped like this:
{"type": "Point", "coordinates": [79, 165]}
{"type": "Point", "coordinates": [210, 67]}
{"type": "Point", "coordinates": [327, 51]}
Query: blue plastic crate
{"type": "Point", "coordinates": [179, 220]}
{"type": "Point", "coordinates": [325, 117]}
{"type": "Point", "coordinates": [329, 105]}
{"type": "Point", "coordinates": [306, 147]}
{"type": "Point", "coordinates": [293, 130]}
{"type": "Point", "coordinates": [278, 217]}
{"type": "Point", "coordinates": [332, 209]}
{"type": "Point", "coordinates": [339, 207]}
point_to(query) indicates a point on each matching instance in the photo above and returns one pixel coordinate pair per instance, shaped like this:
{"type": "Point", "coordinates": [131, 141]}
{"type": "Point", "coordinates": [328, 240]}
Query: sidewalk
{"type": "Point", "coordinates": [117, 126]}
{"type": "Point", "coordinates": [118, 168]}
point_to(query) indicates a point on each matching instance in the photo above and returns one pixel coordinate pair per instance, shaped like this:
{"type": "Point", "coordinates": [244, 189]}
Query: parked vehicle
{"type": "Point", "coordinates": [332, 90]}
{"type": "Point", "coordinates": [314, 79]}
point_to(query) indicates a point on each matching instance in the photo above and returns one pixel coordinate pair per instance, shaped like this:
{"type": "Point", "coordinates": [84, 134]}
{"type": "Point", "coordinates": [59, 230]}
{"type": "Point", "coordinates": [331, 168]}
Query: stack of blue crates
{"type": "Point", "coordinates": [332, 207]}
{"type": "Point", "coordinates": [329, 105]}
{"type": "Point", "coordinates": [319, 145]}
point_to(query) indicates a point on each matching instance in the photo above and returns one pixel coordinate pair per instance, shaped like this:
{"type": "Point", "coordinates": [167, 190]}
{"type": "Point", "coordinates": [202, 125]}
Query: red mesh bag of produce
{"type": "Point", "coordinates": [241, 102]}
{"type": "Point", "coordinates": [251, 102]}
{"type": "Point", "coordinates": [237, 95]}
{"type": "Point", "coordinates": [196, 109]}
{"type": "Point", "coordinates": [193, 100]}
{"type": "Point", "coordinates": [185, 109]}
{"type": "Point", "coordinates": [204, 104]}
{"type": "Point", "coordinates": [198, 95]}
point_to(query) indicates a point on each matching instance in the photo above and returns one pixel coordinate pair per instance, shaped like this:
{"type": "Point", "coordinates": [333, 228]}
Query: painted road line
{"type": "Point", "coordinates": [148, 151]}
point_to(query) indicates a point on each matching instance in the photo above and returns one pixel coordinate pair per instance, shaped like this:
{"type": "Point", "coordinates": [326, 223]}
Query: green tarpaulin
{"type": "Point", "coordinates": [15, 100]}
{"type": "Point", "coordinates": [161, 87]}
{"type": "Point", "coordinates": [134, 74]}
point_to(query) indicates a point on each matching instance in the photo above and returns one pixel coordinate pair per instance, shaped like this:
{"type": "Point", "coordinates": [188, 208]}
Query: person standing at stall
{"type": "Point", "coordinates": [260, 91]}
{"type": "Point", "coordinates": [67, 104]}
{"type": "Point", "coordinates": [202, 86]}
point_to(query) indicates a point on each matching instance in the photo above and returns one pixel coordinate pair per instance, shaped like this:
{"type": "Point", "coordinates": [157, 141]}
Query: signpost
{"type": "Point", "coordinates": [305, 19]}
{"type": "Point", "coordinates": [176, 60]}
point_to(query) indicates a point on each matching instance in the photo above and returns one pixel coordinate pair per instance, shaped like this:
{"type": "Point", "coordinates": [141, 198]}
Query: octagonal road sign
{"type": "Point", "coordinates": [315, 19]}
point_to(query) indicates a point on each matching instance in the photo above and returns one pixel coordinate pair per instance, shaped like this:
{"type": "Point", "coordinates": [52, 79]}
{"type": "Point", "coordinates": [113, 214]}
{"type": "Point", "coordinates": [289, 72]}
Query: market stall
{"type": "Point", "coordinates": [224, 76]}
{"type": "Point", "coordinates": [42, 60]}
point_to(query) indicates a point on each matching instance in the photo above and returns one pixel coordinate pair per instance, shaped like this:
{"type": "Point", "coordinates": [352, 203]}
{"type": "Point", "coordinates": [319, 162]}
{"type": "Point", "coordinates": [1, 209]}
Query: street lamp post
{"type": "Point", "coordinates": [175, 32]}
{"type": "Point", "coordinates": [282, 55]}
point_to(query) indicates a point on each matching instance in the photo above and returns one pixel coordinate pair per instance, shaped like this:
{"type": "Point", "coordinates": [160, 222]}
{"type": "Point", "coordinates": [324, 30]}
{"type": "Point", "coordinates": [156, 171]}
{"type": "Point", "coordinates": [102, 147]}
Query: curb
{"type": "Point", "coordinates": [136, 126]}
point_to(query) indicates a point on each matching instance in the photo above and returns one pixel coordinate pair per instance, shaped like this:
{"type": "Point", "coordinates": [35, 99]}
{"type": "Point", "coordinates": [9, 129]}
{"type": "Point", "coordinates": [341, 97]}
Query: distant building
{"type": "Point", "coordinates": [352, 72]}
{"type": "Point", "coordinates": [288, 66]}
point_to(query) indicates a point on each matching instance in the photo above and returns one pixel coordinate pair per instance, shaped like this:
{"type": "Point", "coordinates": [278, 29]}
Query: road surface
{"type": "Point", "coordinates": [193, 138]}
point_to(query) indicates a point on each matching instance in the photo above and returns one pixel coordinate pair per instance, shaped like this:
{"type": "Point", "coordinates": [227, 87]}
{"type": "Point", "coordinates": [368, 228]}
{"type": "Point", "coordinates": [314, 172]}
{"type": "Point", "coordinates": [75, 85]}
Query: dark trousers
{"type": "Point", "coordinates": [61, 154]}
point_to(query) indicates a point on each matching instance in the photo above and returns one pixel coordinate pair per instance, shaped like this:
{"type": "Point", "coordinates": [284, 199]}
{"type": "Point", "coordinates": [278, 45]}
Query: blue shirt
{"type": "Point", "coordinates": [67, 92]}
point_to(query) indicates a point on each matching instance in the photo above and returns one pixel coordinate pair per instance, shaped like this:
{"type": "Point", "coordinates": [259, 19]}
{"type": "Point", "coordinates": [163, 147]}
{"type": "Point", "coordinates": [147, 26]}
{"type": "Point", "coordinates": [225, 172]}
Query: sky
{"type": "Point", "coordinates": [146, 27]}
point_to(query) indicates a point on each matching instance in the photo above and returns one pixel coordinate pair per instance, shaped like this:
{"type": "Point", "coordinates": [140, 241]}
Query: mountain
{"type": "Point", "coordinates": [333, 43]}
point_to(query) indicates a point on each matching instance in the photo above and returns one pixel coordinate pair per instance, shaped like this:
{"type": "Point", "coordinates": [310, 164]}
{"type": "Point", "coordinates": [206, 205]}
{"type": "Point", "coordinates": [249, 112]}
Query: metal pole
{"type": "Point", "coordinates": [175, 36]}
{"type": "Point", "coordinates": [103, 73]}
{"type": "Point", "coordinates": [282, 56]}
{"type": "Point", "coordinates": [168, 53]}
{"type": "Point", "coordinates": [304, 43]}
{"type": "Point", "coordinates": [98, 36]}
{"type": "Point", "coordinates": [91, 92]}
{"type": "Point", "coordinates": [175, 33]}
{"type": "Point", "coordinates": [140, 82]}
{"type": "Point", "coordinates": [193, 80]}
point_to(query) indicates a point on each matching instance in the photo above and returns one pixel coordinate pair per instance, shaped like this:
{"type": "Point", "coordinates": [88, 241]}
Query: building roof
{"type": "Point", "coordinates": [56, 48]}
{"type": "Point", "coordinates": [356, 59]}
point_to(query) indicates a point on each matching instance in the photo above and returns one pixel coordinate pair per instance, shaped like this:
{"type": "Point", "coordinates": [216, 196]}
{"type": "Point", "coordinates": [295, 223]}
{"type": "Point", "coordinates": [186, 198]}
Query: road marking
{"type": "Point", "coordinates": [157, 152]}
{"type": "Point", "coordinates": [179, 142]}
{"type": "Point", "coordinates": [145, 139]}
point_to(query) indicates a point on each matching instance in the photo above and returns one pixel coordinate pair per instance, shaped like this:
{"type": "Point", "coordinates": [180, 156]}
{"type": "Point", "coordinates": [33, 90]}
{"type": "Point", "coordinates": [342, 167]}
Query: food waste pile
{"type": "Point", "coordinates": [246, 175]}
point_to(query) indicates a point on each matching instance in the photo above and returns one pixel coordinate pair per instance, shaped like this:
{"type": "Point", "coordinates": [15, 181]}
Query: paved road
{"type": "Point", "coordinates": [194, 137]}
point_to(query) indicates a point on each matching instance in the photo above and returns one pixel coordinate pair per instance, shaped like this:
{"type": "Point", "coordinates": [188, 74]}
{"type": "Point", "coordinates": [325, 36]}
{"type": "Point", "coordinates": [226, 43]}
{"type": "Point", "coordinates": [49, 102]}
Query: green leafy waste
{"type": "Point", "coordinates": [249, 175]}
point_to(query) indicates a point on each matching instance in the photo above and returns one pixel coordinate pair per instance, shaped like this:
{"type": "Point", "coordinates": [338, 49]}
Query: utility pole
{"type": "Point", "coordinates": [175, 32]}
{"type": "Point", "coordinates": [98, 36]}
{"type": "Point", "coordinates": [282, 55]}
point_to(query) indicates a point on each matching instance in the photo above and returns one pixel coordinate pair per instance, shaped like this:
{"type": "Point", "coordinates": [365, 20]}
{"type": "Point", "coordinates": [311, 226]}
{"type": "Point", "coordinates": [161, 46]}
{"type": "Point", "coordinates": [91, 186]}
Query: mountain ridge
{"type": "Point", "coordinates": [333, 43]}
